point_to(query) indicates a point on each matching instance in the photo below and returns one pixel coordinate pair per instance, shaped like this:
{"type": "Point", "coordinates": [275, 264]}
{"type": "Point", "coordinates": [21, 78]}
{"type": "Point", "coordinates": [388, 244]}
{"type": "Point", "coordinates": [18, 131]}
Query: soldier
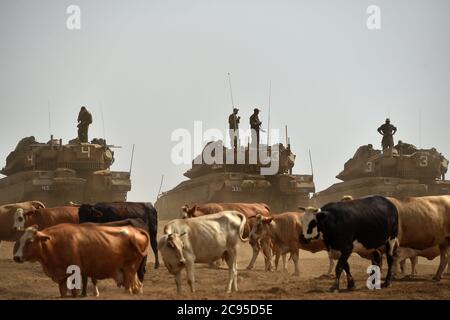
{"type": "Point", "coordinates": [233, 121]}
{"type": "Point", "coordinates": [84, 120]}
{"type": "Point", "coordinates": [444, 166]}
{"type": "Point", "coordinates": [255, 125]}
{"type": "Point", "coordinates": [387, 130]}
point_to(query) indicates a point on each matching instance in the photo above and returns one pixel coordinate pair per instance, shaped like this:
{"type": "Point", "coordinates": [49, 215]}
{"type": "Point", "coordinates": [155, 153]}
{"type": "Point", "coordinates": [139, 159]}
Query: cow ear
{"type": "Point", "coordinates": [302, 208]}
{"type": "Point", "coordinates": [96, 213]}
{"type": "Point", "coordinates": [42, 236]}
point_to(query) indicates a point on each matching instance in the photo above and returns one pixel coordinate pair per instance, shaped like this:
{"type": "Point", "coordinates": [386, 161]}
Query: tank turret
{"type": "Point", "coordinates": [57, 173]}
{"type": "Point", "coordinates": [240, 180]}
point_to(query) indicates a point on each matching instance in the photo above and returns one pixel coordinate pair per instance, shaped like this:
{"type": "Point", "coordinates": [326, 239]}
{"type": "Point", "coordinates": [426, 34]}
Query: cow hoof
{"type": "Point", "coordinates": [334, 289]}
{"type": "Point", "coordinates": [386, 285]}
{"type": "Point", "coordinates": [436, 279]}
{"type": "Point", "coordinates": [249, 267]}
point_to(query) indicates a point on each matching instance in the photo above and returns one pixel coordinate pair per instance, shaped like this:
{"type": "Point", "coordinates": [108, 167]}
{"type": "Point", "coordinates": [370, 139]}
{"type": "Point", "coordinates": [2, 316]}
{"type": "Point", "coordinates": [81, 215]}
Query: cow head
{"type": "Point", "coordinates": [19, 220]}
{"type": "Point", "coordinates": [171, 247]}
{"type": "Point", "coordinates": [187, 212]}
{"type": "Point", "coordinates": [29, 246]}
{"type": "Point", "coordinates": [88, 213]}
{"type": "Point", "coordinates": [260, 227]}
{"type": "Point", "coordinates": [310, 229]}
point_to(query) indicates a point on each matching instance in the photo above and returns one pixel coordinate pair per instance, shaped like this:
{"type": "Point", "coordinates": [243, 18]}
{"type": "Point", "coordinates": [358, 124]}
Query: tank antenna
{"type": "Point", "coordinates": [268, 117]}
{"type": "Point", "coordinates": [160, 185]}
{"type": "Point", "coordinates": [420, 128]}
{"type": "Point", "coordinates": [232, 106]}
{"type": "Point", "coordinates": [132, 156]}
{"type": "Point", "coordinates": [311, 163]}
{"type": "Point", "coordinates": [103, 121]}
{"type": "Point", "coordinates": [49, 118]}
{"type": "Point", "coordinates": [286, 132]}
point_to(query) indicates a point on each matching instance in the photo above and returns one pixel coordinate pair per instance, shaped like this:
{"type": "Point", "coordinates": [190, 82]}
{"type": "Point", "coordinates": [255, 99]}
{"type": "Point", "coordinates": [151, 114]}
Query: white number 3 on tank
{"type": "Point", "coordinates": [374, 18]}
{"type": "Point", "coordinates": [73, 22]}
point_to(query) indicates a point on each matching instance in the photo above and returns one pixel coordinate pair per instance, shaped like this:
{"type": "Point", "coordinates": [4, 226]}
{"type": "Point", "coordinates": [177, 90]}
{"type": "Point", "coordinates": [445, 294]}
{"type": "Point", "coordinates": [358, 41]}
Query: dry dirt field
{"type": "Point", "coordinates": [27, 281]}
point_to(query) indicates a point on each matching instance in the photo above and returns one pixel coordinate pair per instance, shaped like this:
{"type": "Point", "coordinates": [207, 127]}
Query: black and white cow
{"type": "Point", "coordinates": [370, 222]}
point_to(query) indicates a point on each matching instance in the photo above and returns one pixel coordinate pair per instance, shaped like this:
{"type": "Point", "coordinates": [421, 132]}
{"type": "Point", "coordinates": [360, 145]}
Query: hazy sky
{"type": "Point", "coordinates": [155, 66]}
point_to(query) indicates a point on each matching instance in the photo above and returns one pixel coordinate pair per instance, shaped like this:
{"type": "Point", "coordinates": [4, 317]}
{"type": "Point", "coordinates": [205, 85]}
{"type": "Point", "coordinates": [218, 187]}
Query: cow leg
{"type": "Point", "coordinates": [283, 257]}
{"type": "Point", "coordinates": [142, 269]}
{"type": "Point", "coordinates": [232, 270]}
{"type": "Point", "coordinates": [330, 263]}
{"type": "Point", "coordinates": [414, 261]}
{"type": "Point", "coordinates": [94, 283]}
{"type": "Point", "coordinates": [178, 281]}
{"type": "Point", "coordinates": [84, 284]}
{"type": "Point", "coordinates": [190, 275]}
{"type": "Point", "coordinates": [295, 260]}
{"type": "Point", "coordinates": [63, 288]}
{"type": "Point", "coordinates": [403, 266]}
{"type": "Point", "coordinates": [277, 258]}
{"type": "Point", "coordinates": [345, 254]}
{"type": "Point", "coordinates": [391, 252]}
{"type": "Point", "coordinates": [444, 260]}
{"type": "Point", "coordinates": [256, 248]}
{"type": "Point", "coordinates": [265, 244]}
{"type": "Point", "coordinates": [350, 281]}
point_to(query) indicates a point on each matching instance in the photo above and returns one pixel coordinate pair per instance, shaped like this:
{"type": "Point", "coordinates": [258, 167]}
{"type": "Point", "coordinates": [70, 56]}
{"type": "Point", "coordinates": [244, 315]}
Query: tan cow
{"type": "Point", "coordinates": [44, 218]}
{"type": "Point", "coordinates": [7, 212]}
{"type": "Point", "coordinates": [250, 210]}
{"type": "Point", "coordinates": [202, 240]}
{"type": "Point", "coordinates": [285, 230]}
{"type": "Point", "coordinates": [100, 252]}
{"type": "Point", "coordinates": [424, 222]}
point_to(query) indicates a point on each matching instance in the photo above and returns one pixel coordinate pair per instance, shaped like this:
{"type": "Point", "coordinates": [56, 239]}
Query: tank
{"type": "Point", "coordinates": [402, 171]}
{"type": "Point", "coordinates": [240, 182]}
{"type": "Point", "coordinates": [58, 174]}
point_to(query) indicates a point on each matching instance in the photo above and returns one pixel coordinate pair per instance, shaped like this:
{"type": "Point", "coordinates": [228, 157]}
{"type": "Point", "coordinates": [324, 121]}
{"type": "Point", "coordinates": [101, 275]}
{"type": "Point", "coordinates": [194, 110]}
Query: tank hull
{"type": "Point", "coordinates": [60, 187]}
{"type": "Point", "coordinates": [386, 186]}
{"type": "Point", "coordinates": [282, 193]}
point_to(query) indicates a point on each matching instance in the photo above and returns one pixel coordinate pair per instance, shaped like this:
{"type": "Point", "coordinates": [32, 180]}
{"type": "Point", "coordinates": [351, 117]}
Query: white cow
{"type": "Point", "coordinates": [202, 240]}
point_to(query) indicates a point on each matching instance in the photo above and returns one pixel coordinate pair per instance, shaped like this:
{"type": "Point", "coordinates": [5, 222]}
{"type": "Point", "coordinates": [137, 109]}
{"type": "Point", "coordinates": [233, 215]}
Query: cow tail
{"type": "Point", "coordinates": [242, 227]}
{"type": "Point", "coordinates": [152, 220]}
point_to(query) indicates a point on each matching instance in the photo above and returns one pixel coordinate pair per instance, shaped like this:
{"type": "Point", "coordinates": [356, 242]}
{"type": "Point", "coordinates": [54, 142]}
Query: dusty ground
{"type": "Point", "coordinates": [27, 281]}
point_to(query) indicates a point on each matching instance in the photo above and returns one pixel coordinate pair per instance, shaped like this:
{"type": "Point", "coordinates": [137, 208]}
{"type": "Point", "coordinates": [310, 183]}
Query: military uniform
{"type": "Point", "coordinates": [233, 121]}
{"type": "Point", "coordinates": [255, 125]}
{"type": "Point", "coordinates": [84, 120]}
{"type": "Point", "coordinates": [388, 131]}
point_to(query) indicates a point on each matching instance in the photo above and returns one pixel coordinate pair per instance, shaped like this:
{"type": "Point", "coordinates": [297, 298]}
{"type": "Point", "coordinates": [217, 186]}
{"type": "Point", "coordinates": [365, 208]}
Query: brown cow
{"type": "Point", "coordinates": [250, 210]}
{"type": "Point", "coordinates": [284, 230]}
{"type": "Point", "coordinates": [7, 212]}
{"type": "Point", "coordinates": [424, 222]}
{"type": "Point", "coordinates": [44, 218]}
{"type": "Point", "coordinates": [100, 252]}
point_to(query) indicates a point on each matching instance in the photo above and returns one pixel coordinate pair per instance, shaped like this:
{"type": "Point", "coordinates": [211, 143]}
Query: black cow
{"type": "Point", "coordinates": [107, 212]}
{"type": "Point", "coordinates": [371, 222]}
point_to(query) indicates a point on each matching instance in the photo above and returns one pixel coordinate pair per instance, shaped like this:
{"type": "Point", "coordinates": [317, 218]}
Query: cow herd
{"type": "Point", "coordinates": [111, 240]}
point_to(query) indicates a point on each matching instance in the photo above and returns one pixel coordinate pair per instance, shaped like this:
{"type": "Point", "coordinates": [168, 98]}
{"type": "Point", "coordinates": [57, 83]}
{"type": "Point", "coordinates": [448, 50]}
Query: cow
{"type": "Point", "coordinates": [202, 240]}
{"type": "Point", "coordinates": [7, 233]}
{"type": "Point", "coordinates": [370, 222]}
{"type": "Point", "coordinates": [100, 252]}
{"type": "Point", "coordinates": [424, 222]}
{"type": "Point", "coordinates": [285, 230]}
{"type": "Point", "coordinates": [44, 218]}
{"type": "Point", "coordinates": [116, 211]}
{"type": "Point", "coordinates": [250, 210]}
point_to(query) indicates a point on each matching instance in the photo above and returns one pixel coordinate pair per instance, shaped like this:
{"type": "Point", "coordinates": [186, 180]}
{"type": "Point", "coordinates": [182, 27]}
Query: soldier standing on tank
{"type": "Point", "coordinates": [84, 120]}
{"type": "Point", "coordinates": [444, 166]}
{"type": "Point", "coordinates": [233, 121]}
{"type": "Point", "coordinates": [387, 130]}
{"type": "Point", "coordinates": [255, 126]}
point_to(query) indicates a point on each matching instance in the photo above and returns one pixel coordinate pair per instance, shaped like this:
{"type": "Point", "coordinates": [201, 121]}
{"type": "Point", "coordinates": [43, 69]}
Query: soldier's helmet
{"type": "Point", "coordinates": [256, 110]}
{"type": "Point", "coordinates": [235, 109]}
{"type": "Point", "coordinates": [388, 120]}
{"type": "Point", "coordinates": [83, 108]}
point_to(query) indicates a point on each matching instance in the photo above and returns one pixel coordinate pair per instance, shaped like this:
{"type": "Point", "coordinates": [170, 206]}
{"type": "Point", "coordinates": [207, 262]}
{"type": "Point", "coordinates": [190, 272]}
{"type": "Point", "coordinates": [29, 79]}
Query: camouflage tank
{"type": "Point", "coordinates": [58, 174]}
{"type": "Point", "coordinates": [239, 182]}
{"type": "Point", "coordinates": [401, 171]}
